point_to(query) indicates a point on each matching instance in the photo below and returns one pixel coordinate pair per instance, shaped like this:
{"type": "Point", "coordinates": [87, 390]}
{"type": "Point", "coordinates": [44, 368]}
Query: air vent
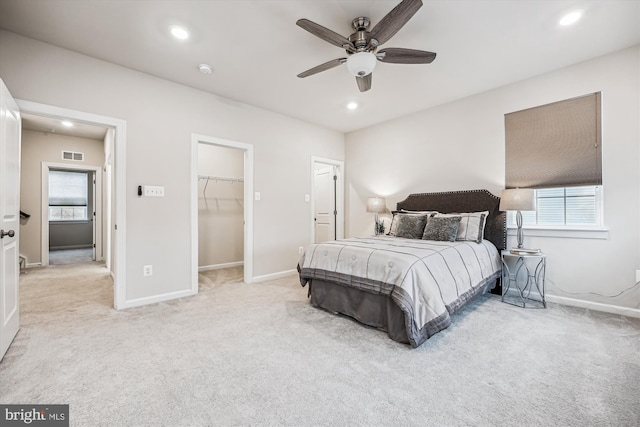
{"type": "Point", "coordinates": [73, 155]}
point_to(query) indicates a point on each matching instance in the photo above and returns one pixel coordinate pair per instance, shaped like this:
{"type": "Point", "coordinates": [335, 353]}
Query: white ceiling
{"type": "Point", "coordinates": [257, 50]}
{"type": "Point", "coordinates": [52, 125]}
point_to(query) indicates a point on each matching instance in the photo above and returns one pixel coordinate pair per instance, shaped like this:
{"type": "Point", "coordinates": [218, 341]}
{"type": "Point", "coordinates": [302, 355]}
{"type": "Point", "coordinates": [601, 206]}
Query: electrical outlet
{"type": "Point", "coordinates": [300, 250]}
{"type": "Point", "coordinates": [147, 270]}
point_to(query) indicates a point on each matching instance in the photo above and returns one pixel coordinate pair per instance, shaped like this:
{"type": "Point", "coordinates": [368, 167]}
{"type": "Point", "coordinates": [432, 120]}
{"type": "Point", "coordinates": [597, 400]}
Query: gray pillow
{"type": "Point", "coordinates": [443, 229]}
{"type": "Point", "coordinates": [411, 226]}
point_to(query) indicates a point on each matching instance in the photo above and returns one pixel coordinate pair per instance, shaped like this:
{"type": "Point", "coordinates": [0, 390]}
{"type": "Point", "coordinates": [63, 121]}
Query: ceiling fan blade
{"type": "Point", "coordinates": [397, 55]}
{"type": "Point", "coordinates": [394, 20]}
{"type": "Point", "coordinates": [323, 67]}
{"type": "Point", "coordinates": [364, 83]}
{"type": "Point", "coordinates": [322, 32]}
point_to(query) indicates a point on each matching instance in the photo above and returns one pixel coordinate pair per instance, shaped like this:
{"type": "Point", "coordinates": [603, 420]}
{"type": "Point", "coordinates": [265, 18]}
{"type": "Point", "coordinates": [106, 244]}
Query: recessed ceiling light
{"type": "Point", "coordinates": [352, 105]}
{"type": "Point", "coordinates": [179, 32]}
{"type": "Point", "coordinates": [205, 68]}
{"type": "Point", "coordinates": [570, 18]}
{"type": "Point", "coordinates": [67, 124]}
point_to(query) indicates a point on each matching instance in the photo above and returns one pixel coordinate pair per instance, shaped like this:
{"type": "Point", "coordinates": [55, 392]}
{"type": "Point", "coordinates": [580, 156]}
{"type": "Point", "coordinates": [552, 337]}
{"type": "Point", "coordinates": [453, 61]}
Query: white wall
{"type": "Point", "coordinates": [38, 147]}
{"type": "Point", "coordinates": [161, 117]}
{"type": "Point", "coordinates": [220, 206]}
{"type": "Point", "coordinates": [461, 146]}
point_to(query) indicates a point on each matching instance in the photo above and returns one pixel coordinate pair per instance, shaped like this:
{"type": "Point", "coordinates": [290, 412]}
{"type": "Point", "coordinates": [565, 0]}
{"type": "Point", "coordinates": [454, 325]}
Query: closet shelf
{"type": "Point", "coordinates": [220, 178]}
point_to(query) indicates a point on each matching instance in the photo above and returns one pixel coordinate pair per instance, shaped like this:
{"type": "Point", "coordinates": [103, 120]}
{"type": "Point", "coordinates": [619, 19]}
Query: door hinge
{"type": "Point", "coordinates": [94, 245]}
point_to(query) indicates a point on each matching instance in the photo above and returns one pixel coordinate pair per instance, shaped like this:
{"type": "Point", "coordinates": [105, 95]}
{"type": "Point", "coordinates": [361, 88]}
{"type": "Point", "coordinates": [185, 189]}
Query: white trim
{"type": "Point", "coordinates": [33, 265]}
{"type": "Point", "coordinates": [339, 164]}
{"type": "Point", "coordinates": [220, 266]}
{"type": "Point", "coordinates": [607, 308]}
{"type": "Point", "coordinates": [584, 233]}
{"type": "Point", "coordinates": [44, 227]}
{"type": "Point", "coordinates": [248, 203]}
{"type": "Point", "coordinates": [156, 298]}
{"type": "Point", "coordinates": [596, 306]}
{"type": "Point", "coordinates": [117, 225]}
{"type": "Point", "coordinates": [274, 276]}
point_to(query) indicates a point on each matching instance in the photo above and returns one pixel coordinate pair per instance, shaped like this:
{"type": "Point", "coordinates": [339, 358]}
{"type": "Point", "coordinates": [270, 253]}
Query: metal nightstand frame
{"type": "Point", "coordinates": [512, 269]}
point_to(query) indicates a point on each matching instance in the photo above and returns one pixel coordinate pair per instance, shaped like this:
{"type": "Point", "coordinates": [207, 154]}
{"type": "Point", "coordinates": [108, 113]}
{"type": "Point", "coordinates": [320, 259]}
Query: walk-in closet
{"type": "Point", "coordinates": [220, 207]}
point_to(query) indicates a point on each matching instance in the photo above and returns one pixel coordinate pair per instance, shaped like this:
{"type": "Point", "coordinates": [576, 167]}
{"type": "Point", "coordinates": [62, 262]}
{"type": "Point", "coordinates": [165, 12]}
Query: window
{"type": "Point", "coordinates": [68, 195]}
{"type": "Point", "coordinates": [567, 207]}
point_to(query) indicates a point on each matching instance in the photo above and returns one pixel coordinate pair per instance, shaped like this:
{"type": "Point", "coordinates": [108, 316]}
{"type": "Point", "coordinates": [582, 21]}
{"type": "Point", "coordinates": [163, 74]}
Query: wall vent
{"type": "Point", "coordinates": [73, 155]}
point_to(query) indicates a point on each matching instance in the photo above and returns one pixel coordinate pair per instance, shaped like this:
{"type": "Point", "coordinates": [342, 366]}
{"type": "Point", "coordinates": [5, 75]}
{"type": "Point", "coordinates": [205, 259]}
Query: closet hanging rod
{"type": "Point", "coordinates": [220, 178]}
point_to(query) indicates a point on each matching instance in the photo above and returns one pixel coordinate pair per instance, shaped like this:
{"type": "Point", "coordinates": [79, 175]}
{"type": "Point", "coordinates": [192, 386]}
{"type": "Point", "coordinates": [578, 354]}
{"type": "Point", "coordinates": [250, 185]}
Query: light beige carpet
{"type": "Point", "coordinates": [259, 354]}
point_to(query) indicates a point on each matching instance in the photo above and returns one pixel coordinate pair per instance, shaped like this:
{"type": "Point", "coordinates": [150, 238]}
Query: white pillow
{"type": "Point", "coordinates": [471, 225]}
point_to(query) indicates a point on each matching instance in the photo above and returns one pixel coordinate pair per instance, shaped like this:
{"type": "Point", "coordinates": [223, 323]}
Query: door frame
{"type": "Point", "coordinates": [117, 222]}
{"type": "Point", "coordinates": [97, 201]}
{"type": "Point", "coordinates": [339, 165]}
{"type": "Point", "coordinates": [197, 139]}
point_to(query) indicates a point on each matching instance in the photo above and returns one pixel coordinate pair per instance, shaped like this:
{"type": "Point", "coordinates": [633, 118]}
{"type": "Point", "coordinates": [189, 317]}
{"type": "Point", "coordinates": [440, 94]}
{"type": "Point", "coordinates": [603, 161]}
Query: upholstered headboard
{"type": "Point", "coordinates": [464, 201]}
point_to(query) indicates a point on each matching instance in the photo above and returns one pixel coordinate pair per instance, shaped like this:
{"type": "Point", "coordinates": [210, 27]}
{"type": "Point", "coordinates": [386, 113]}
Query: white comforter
{"type": "Point", "coordinates": [429, 280]}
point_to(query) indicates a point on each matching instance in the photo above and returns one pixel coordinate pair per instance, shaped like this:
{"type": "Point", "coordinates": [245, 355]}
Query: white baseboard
{"type": "Point", "coordinates": [220, 266]}
{"type": "Point", "coordinates": [607, 308]}
{"type": "Point", "coordinates": [157, 298]}
{"type": "Point", "coordinates": [274, 276]}
{"type": "Point", "coordinates": [34, 264]}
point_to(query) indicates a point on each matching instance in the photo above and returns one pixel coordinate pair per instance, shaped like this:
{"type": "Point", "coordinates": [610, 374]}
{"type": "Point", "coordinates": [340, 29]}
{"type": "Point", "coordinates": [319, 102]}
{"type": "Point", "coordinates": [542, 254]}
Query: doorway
{"type": "Point", "coordinates": [221, 196]}
{"type": "Point", "coordinates": [114, 223]}
{"type": "Point", "coordinates": [72, 214]}
{"type": "Point", "coordinates": [327, 199]}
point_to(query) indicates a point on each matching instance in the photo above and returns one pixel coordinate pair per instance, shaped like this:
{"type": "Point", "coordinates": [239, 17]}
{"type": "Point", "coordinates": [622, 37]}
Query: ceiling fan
{"type": "Point", "coordinates": [362, 46]}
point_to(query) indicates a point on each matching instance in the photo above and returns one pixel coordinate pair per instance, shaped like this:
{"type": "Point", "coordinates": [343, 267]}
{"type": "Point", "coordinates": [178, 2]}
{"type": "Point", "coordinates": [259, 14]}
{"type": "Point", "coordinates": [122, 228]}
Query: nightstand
{"type": "Point", "coordinates": [522, 274]}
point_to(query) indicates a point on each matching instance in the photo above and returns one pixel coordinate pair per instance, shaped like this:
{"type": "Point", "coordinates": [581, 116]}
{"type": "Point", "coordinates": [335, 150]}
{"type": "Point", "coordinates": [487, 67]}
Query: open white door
{"type": "Point", "coordinates": [9, 217]}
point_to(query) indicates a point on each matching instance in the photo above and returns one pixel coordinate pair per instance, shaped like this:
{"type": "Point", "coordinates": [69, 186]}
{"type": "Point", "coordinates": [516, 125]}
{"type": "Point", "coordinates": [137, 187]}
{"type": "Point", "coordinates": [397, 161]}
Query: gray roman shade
{"type": "Point", "coordinates": [555, 145]}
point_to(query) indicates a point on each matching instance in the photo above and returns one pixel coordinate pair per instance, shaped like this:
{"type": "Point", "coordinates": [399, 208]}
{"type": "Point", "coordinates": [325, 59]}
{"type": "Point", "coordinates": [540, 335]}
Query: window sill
{"type": "Point", "coordinates": [570, 233]}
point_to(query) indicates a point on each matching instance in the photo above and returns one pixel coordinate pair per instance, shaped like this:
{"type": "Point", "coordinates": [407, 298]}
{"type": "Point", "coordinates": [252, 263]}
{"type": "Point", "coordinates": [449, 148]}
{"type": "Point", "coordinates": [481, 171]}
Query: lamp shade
{"type": "Point", "coordinates": [361, 64]}
{"type": "Point", "coordinates": [518, 199]}
{"type": "Point", "coordinates": [376, 204]}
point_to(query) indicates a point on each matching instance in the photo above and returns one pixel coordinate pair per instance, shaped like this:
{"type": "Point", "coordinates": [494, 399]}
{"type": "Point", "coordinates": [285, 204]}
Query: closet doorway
{"type": "Point", "coordinates": [222, 206]}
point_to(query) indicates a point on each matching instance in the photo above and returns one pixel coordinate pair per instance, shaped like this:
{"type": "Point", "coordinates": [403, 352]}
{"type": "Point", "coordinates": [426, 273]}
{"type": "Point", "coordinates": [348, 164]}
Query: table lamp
{"type": "Point", "coordinates": [377, 205]}
{"type": "Point", "coordinates": [518, 199]}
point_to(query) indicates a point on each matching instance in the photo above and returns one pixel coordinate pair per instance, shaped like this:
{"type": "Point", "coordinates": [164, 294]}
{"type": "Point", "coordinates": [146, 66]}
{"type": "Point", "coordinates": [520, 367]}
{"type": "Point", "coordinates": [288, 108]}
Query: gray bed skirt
{"type": "Point", "coordinates": [375, 310]}
{"type": "Point", "coordinates": [381, 311]}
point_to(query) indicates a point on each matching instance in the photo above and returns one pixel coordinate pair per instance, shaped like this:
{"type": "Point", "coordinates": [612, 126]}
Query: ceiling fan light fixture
{"type": "Point", "coordinates": [361, 64]}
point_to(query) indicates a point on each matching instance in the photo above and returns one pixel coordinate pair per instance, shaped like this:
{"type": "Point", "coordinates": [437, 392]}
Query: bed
{"type": "Point", "coordinates": [402, 283]}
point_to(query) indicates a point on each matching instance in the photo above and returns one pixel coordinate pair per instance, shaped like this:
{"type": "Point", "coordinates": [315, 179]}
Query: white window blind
{"type": "Point", "coordinates": [68, 195]}
{"type": "Point", "coordinates": [566, 207]}
{"type": "Point", "coordinates": [68, 188]}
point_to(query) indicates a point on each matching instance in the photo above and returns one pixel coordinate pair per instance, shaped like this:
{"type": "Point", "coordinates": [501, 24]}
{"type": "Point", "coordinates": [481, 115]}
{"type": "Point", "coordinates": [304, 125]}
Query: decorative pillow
{"type": "Point", "coordinates": [411, 226]}
{"type": "Point", "coordinates": [397, 214]}
{"type": "Point", "coordinates": [471, 225]}
{"type": "Point", "coordinates": [443, 229]}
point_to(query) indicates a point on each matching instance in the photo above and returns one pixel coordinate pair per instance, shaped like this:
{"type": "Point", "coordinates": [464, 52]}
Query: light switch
{"type": "Point", "coordinates": [152, 191]}
{"type": "Point", "coordinates": [257, 195]}
{"type": "Point", "coordinates": [306, 198]}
